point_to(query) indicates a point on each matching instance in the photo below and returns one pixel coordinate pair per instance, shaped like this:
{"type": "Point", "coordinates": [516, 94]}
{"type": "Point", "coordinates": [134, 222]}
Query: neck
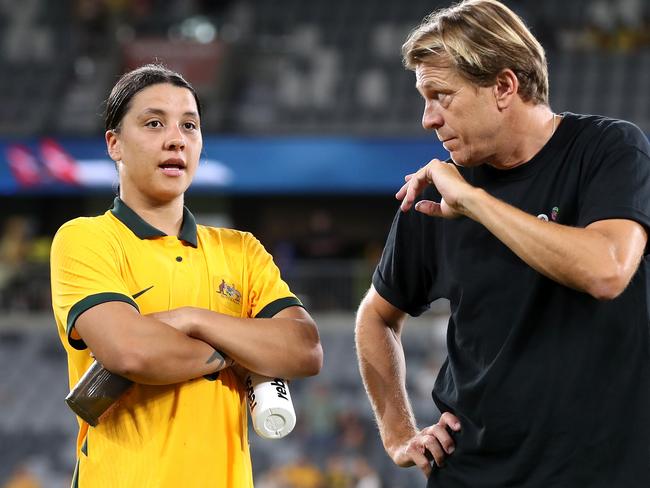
{"type": "Point", "coordinates": [165, 216]}
{"type": "Point", "coordinates": [525, 134]}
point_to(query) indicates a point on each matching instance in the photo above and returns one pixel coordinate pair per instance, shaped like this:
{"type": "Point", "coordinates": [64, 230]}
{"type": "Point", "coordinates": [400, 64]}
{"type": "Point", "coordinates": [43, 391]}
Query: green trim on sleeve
{"type": "Point", "coordinates": [89, 302]}
{"type": "Point", "coordinates": [84, 447]}
{"type": "Point", "coordinates": [212, 376]}
{"type": "Point", "coordinates": [276, 306]}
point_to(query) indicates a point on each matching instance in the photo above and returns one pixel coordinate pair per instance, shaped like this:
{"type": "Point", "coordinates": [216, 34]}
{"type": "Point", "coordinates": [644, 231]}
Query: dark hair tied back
{"type": "Point", "coordinates": [131, 83]}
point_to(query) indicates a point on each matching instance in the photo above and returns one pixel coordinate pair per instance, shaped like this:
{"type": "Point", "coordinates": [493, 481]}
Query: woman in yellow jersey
{"type": "Point", "coordinates": [152, 296]}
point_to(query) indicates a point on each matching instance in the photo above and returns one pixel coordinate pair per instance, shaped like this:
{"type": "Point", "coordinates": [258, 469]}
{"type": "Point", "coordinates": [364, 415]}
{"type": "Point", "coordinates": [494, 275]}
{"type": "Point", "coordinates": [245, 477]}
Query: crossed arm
{"type": "Point", "coordinates": [160, 349]}
{"type": "Point", "coordinates": [599, 259]}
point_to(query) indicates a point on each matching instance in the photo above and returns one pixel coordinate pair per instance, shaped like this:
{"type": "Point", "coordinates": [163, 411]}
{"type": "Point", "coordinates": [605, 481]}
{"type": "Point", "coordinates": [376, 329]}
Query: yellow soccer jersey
{"type": "Point", "coordinates": [191, 434]}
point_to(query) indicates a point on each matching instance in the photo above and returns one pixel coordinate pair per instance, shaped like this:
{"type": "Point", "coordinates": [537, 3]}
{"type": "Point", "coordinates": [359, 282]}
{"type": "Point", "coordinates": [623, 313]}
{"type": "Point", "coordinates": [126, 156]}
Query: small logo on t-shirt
{"type": "Point", "coordinates": [555, 212]}
{"type": "Point", "coordinates": [229, 291]}
{"type": "Point", "coordinates": [141, 292]}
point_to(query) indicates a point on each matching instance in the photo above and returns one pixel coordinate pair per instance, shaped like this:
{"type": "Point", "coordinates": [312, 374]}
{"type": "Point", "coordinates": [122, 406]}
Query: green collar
{"type": "Point", "coordinates": [146, 231]}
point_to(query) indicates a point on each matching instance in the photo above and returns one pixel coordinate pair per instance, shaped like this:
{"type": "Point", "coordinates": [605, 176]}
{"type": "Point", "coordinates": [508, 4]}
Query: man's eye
{"type": "Point", "coordinates": [189, 125]}
{"type": "Point", "coordinates": [154, 124]}
{"type": "Point", "coordinates": [444, 99]}
{"type": "Point", "coordinates": [437, 96]}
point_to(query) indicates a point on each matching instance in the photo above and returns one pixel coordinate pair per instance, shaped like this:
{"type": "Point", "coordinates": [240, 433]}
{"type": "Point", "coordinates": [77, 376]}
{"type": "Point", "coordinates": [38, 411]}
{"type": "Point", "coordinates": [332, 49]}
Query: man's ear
{"type": "Point", "coordinates": [113, 145]}
{"type": "Point", "coordinates": [505, 88]}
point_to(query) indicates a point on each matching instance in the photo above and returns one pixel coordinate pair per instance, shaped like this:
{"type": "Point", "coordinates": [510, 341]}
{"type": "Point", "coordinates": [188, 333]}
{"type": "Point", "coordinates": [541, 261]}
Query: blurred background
{"type": "Point", "coordinates": [310, 124]}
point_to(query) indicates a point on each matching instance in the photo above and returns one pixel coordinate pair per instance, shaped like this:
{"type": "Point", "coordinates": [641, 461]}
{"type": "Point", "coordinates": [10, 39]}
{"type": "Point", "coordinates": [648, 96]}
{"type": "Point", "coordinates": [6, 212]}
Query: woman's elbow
{"type": "Point", "coordinates": [129, 364]}
{"type": "Point", "coordinates": [309, 362]}
{"type": "Point", "coordinates": [316, 360]}
{"type": "Point", "coordinates": [312, 351]}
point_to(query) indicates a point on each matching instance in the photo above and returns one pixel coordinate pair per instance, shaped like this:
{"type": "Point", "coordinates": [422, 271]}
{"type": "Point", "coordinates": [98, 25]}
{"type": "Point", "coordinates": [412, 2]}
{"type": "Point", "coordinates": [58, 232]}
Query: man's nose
{"type": "Point", "coordinates": [432, 118]}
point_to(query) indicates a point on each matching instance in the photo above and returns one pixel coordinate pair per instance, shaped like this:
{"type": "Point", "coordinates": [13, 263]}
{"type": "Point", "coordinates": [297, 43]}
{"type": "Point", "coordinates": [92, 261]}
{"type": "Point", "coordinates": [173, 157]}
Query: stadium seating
{"type": "Point", "coordinates": [310, 68]}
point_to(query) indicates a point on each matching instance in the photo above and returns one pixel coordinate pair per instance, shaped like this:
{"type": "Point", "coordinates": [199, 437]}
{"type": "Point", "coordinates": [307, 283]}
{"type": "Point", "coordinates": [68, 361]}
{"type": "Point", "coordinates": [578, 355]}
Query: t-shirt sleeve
{"type": "Point", "coordinates": [616, 183]}
{"type": "Point", "coordinates": [84, 273]}
{"type": "Point", "coordinates": [404, 275]}
{"type": "Point", "coordinates": [268, 293]}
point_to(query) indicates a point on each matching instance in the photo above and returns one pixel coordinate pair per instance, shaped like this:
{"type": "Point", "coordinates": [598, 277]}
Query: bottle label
{"type": "Point", "coordinates": [250, 392]}
{"type": "Point", "coordinates": [280, 388]}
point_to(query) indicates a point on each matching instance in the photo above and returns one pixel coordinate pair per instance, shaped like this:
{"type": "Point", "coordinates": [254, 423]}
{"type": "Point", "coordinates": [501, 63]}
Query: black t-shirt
{"type": "Point", "coordinates": [552, 386]}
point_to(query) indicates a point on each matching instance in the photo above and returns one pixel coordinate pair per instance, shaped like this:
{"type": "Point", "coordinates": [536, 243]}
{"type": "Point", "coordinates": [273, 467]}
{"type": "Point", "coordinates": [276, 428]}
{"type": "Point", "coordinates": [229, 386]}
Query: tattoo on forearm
{"type": "Point", "coordinates": [216, 355]}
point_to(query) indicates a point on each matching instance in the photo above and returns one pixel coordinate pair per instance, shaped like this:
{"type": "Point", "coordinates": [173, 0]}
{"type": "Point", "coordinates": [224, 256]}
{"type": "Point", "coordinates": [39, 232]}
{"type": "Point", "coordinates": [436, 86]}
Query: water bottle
{"type": "Point", "coordinates": [270, 406]}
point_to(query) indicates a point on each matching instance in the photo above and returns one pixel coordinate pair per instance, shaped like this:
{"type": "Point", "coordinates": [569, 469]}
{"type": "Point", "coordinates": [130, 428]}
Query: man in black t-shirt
{"type": "Point", "coordinates": [536, 232]}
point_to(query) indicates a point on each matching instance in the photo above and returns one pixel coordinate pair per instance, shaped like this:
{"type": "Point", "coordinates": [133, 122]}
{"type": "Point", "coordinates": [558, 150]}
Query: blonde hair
{"type": "Point", "coordinates": [481, 38]}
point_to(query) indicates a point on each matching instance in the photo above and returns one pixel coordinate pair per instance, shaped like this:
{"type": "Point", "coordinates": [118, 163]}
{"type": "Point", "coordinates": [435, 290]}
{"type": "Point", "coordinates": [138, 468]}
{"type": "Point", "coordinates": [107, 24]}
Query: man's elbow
{"type": "Point", "coordinates": [608, 286]}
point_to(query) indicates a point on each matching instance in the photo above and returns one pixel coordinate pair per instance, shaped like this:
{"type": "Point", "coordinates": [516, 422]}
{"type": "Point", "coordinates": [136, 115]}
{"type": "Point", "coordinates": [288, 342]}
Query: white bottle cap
{"type": "Point", "coordinates": [270, 406]}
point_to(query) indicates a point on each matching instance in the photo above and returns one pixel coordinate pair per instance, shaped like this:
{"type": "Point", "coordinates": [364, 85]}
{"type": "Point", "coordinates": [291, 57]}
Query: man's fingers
{"type": "Point", "coordinates": [431, 444]}
{"type": "Point", "coordinates": [435, 449]}
{"type": "Point", "coordinates": [418, 456]}
{"type": "Point", "coordinates": [439, 432]}
{"type": "Point", "coordinates": [427, 207]}
{"type": "Point", "coordinates": [402, 191]}
{"type": "Point", "coordinates": [426, 469]}
{"type": "Point", "coordinates": [414, 184]}
{"type": "Point", "coordinates": [413, 189]}
{"type": "Point", "coordinates": [450, 420]}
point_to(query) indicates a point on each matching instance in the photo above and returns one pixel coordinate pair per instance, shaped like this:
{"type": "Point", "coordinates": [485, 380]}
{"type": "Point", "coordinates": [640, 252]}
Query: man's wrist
{"type": "Point", "coordinates": [472, 201]}
{"type": "Point", "coordinates": [393, 445]}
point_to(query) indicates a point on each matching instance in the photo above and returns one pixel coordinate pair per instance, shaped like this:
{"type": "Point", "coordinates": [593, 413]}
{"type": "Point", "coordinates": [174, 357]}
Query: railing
{"type": "Point", "coordinates": [330, 285]}
{"type": "Point", "coordinates": [327, 285]}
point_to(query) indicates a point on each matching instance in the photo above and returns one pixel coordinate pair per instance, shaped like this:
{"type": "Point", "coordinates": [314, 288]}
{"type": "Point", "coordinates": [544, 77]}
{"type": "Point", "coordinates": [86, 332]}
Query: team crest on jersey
{"type": "Point", "coordinates": [229, 291]}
